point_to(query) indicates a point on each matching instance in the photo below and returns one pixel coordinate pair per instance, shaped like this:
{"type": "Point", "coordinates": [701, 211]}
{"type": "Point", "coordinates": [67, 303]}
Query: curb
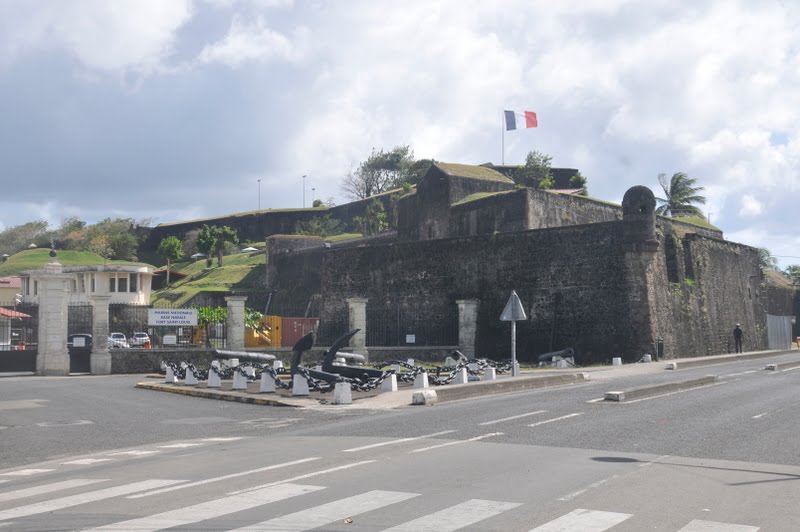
{"type": "Point", "coordinates": [456, 392]}
{"type": "Point", "coordinates": [782, 367]}
{"type": "Point", "coordinates": [212, 393]}
{"type": "Point", "coordinates": [720, 359]}
{"type": "Point", "coordinates": [658, 389]}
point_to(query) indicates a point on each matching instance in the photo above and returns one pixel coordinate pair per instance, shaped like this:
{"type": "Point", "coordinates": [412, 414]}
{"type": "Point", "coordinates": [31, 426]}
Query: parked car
{"type": "Point", "coordinates": [116, 339]}
{"type": "Point", "coordinates": [140, 339]}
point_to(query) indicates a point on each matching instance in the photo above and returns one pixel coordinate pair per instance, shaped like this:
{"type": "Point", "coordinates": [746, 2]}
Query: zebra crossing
{"type": "Point", "coordinates": [319, 506]}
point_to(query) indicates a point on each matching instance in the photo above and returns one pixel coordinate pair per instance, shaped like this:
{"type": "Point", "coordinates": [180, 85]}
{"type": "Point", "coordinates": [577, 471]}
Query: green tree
{"type": "Point", "coordinates": [222, 236]}
{"type": "Point", "coordinates": [206, 242]}
{"type": "Point", "coordinates": [793, 272]}
{"type": "Point", "coordinates": [170, 249]}
{"type": "Point", "coordinates": [317, 203]}
{"type": "Point", "coordinates": [208, 316]}
{"type": "Point", "coordinates": [767, 260]}
{"type": "Point", "coordinates": [323, 226]}
{"type": "Point", "coordinates": [579, 181]}
{"type": "Point", "coordinates": [21, 236]}
{"type": "Point", "coordinates": [535, 173]}
{"type": "Point", "coordinates": [681, 195]}
{"type": "Point", "coordinates": [382, 171]}
{"type": "Point", "coordinates": [374, 220]}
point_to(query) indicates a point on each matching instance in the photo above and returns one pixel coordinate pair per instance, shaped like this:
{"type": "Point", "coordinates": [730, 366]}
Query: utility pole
{"type": "Point", "coordinates": [304, 191]}
{"type": "Point", "coordinates": [259, 194]}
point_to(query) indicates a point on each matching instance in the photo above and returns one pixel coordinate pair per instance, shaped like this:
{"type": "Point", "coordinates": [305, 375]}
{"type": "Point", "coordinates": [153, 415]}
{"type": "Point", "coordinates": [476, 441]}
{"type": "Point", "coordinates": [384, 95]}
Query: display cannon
{"type": "Point", "coordinates": [567, 355]}
{"type": "Point", "coordinates": [244, 355]}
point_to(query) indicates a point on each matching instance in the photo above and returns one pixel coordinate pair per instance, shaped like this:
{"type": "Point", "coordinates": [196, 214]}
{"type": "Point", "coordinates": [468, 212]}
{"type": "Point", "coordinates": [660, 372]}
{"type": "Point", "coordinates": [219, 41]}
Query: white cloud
{"type": "Point", "coordinates": [250, 41]}
{"type": "Point", "coordinates": [751, 207]}
{"type": "Point", "coordinates": [105, 36]}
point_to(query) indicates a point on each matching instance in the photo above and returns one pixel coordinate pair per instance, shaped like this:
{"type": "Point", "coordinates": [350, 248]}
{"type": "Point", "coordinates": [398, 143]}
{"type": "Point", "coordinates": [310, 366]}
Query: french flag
{"type": "Point", "coordinates": [528, 116]}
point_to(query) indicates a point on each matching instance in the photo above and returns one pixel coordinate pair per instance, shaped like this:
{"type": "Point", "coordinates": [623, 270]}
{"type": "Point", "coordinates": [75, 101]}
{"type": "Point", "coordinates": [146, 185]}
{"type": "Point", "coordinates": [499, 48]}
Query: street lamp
{"type": "Point", "coordinates": [259, 194]}
{"type": "Point", "coordinates": [304, 191]}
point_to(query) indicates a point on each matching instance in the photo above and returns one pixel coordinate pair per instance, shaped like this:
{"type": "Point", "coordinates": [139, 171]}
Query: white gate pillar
{"type": "Point", "coordinates": [467, 325]}
{"type": "Point", "coordinates": [100, 359]}
{"type": "Point", "coordinates": [357, 313]}
{"type": "Point", "coordinates": [235, 323]}
{"type": "Point", "coordinates": [52, 357]}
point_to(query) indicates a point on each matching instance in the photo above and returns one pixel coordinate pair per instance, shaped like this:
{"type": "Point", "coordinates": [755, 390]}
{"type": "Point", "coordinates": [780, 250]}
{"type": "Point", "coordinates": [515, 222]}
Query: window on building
{"type": "Point", "coordinates": [35, 287]}
{"type": "Point", "coordinates": [81, 282]}
{"type": "Point", "coordinates": [73, 285]}
{"type": "Point", "coordinates": [134, 282]}
{"type": "Point", "coordinates": [122, 284]}
{"type": "Point", "coordinates": [91, 276]}
{"type": "Point", "coordinates": [112, 284]}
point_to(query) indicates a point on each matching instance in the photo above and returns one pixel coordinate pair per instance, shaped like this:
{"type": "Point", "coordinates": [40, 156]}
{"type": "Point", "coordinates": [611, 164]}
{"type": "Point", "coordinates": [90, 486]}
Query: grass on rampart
{"type": "Point", "coordinates": [35, 259]}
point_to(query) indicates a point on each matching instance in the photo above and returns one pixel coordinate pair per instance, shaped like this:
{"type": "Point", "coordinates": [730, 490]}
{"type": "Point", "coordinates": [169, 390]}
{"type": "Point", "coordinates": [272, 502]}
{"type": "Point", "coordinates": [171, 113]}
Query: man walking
{"type": "Point", "coordinates": [737, 338]}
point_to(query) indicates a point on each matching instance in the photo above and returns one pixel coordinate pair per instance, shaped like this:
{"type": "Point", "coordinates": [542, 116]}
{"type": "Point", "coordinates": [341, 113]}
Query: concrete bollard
{"type": "Point", "coordinates": [424, 397]}
{"type": "Point", "coordinates": [421, 380]}
{"type": "Point", "coordinates": [397, 368]}
{"type": "Point", "coordinates": [277, 364]}
{"type": "Point", "coordinates": [342, 395]}
{"type": "Point", "coordinates": [250, 371]}
{"type": "Point", "coordinates": [647, 358]}
{"type": "Point", "coordinates": [389, 384]}
{"type": "Point", "coordinates": [170, 378]}
{"type": "Point", "coordinates": [267, 383]}
{"type": "Point", "coordinates": [616, 361]}
{"type": "Point", "coordinates": [213, 378]}
{"type": "Point", "coordinates": [490, 374]}
{"type": "Point", "coordinates": [461, 376]}
{"type": "Point", "coordinates": [239, 381]}
{"type": "Point", "coordinates": [561, 364]}
{"type": "Point", "coordinates": [410, 362]}
{"type": "Point", "coordinates": [191, 378]}
{"type": "Point", "coordinates": [299, 385]}
{"type": "Point", "coordinates": [450, 362]}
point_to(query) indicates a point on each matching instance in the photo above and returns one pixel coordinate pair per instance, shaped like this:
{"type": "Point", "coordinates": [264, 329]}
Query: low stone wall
{"type": "Point", "coordinates": [149, 360]}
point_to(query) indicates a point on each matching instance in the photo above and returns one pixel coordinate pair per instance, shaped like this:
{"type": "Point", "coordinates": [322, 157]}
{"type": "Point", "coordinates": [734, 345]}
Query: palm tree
{"type": "Point", "coordinates": [681, 194]}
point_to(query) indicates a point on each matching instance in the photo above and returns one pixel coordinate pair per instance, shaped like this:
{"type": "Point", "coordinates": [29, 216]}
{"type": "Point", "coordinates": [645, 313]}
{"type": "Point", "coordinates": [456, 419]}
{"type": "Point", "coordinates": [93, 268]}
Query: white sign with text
{"type": "Point", "coordinates": [172, 316]}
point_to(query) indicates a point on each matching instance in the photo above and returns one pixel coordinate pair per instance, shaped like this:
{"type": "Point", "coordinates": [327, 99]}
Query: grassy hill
{"type": "Point", "coordinates": [241, 272]}
{"type": "Point", "coordinates": [33, 259]}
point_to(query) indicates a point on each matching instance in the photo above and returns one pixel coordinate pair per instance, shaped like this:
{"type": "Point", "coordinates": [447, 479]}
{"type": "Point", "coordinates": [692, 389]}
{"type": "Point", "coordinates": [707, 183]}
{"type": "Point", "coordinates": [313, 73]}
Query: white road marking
{"type": "Point", "coordinates": [133, 453]}
{"type": "Point", "coordinates": [83, 498]}
{"type": "Point", "coordinates": [18, 404]}
{"type": "Point", "coordinates": [598, 400]}
{"type": "Point", "coordinates": [48, 488]}
{"type": "Point", "coordinates": [710, 526]}
{"type": "Point", "coordinates": [25, 472]}
{"type": "Point", "coordinates": [180, 445]}
{"type": "Point", "coordinates": [457, 442]}
{"type": "Point", "coordinates": [760, 415]}
{"type": "Point", "coordinates": [512, 417]}
{"type": "Point", "coordinates": [225, 477]}
{"type": "Point", "coordinates": [307, 475]}
{"type": "Point", "coordinates": [574, 414]}
{"type": "Point", "coordinates": [393, 442]}
{"type": "Point", "coordinates": [583, 520]}
{"type": "Point", "coordinates": [86, 461]}
{"type": "Point", "coordinates": [332, 511]}
{"type": "Point", "coordinates": [455, 517]}
{"type": "Point", "coordinates": [738, 374]}
{"type": "Point", "coordinates": [587, 488]}
{"type": "Point", "coordinates": [212, 509]}
{"type": "Point", "coordinates": [657, 460]}
{"type": "Point", "coordinates": [233, 438]}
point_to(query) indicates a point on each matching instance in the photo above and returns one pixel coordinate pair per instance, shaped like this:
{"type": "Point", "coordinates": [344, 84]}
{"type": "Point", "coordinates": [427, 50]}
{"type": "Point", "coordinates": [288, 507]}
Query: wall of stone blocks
{"type": "Point", "coordinates": [149, 360]}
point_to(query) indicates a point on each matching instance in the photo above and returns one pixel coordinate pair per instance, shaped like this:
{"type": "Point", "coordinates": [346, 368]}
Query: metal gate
{"type": "Point", "coordinates": [19, 329]}
{"type": "Point", "coordinates": [779, 332]}
{"type": "Point", "coordinates": [79, 336]}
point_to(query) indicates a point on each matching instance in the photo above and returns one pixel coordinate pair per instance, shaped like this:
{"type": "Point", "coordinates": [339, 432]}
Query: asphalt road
{"type": "Point", "coordinates": [85, 452]}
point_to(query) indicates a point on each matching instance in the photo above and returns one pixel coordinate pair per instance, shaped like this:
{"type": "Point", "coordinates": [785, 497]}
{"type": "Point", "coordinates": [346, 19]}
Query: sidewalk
{"type": "Point", "coordinates": [374, 400]}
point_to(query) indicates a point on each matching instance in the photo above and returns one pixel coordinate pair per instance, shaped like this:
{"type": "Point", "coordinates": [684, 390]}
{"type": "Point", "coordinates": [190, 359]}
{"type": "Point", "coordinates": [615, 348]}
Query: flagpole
{"type": "Point", "coordinates": [503, 136]}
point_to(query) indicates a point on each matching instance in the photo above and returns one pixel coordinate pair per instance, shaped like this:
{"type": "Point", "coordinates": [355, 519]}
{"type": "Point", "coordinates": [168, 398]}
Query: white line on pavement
{"type": "Point", "coordinates": [392, 442]}
{"type": "Point", "coordinates": [583, 520]}
{"type": "Point", "coordinates": [456, 517]}
{"type": "Point", "coordinates": [212, 509]}
{"type": "Point", "coordinates": [48, 488]}
{"type": "Point", "coordinates": [710, 526]}
{"type": "Point", "coordinates": [657, 460]}
{"type": "Point", "coordinates": [307, 475]}
{"type": "Point", "coordinates": [512, 417]}
{"type": "Point", "coordinates": [83, 498]}
{"type": "Point", "coordinates": [232, 438]}
{"type": "Point", "coordinates": [25, 472]}
{"type": "Point", "coordinates": [574, 414]}
{"type": "Point", "coordinates": [133, 453]}
{"type": "Point", "coordinates": [180, 445]}
{"type": "Point", "coordinates": [587, 488]}
{"type": "Point", "coordinates": [86, 461]}
{"type": "Point", "coordinates": [225, 477]}
{"type": "Point", "coordinates": [457, 442]}
{"type": "Point", "coordinates": [759, 415]}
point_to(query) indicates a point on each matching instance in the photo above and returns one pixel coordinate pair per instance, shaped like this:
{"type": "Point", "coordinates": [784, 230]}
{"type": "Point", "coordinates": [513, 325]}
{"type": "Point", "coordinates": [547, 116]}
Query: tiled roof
{"type": "Point", "coordinates": [10, 282]}
{"type": "Point", "coordinates": [6, 313]}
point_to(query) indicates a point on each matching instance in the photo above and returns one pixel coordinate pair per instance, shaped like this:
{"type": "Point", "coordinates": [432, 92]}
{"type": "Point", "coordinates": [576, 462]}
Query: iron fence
{"type": "Point", "coordinates": [19, 332]}
{"type": "Point", "coordinates": [411, 324]}
{"type": "Point", "coordinates": [130, 319]}
{"type": "Point", "coordinates": [79, 318]}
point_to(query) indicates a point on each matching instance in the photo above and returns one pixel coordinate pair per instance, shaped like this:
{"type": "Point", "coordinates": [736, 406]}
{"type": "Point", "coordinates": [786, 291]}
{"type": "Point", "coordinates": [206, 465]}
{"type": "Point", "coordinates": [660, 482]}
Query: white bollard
{"type": "Point", "coordinates": [171, 378]}
{"type": "Point", "coordinates": [461, 376]}
{"type": "Point", "coordinates": [213, 378]}
{"type": "Point", "coordinates": [410, 362]}
{"type": "Point", "coordinates": [277, 364]}
{"type": "Point", "coordinates": [299, 385]}
{"type": "Point", "coordinates": [490, 374]}
{"type": "Point", "coordinates": [342, 395]}
{"type": "Point", "coordinates": [561, 364]}
{"type": "Point", "coordinates": [239, 381]}
{"type": "Point", "coordinates": [616, 361]}
{"type": "Point", "coordinates": [191, 378]}
{"type": "Point", "coordinates": [397, 368]}
{"type": "Point", "coordinates": [389, 384]}
{"type": "Point", "coordinates": [250, 371]}
{"type": "Point", "coordinates": [421, 380]}
{"type": "Point", "coordinates": [450, 362]}
{"type": "Point", "coordinates": [647, 358]}
{"type": "Point", "coordinates": [267, 383]}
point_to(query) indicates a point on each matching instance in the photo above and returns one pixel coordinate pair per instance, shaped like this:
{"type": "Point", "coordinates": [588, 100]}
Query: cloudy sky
{"type": "Point", "coordinates": [174, 109]}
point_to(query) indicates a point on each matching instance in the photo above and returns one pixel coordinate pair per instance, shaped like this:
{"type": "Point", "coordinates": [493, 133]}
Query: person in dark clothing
{"type": "Point", "coordinates": [737, 338]}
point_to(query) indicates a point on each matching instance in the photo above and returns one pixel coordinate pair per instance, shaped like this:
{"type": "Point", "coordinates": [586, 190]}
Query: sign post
{"type": "Point", "coordinates": [513, 312]}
